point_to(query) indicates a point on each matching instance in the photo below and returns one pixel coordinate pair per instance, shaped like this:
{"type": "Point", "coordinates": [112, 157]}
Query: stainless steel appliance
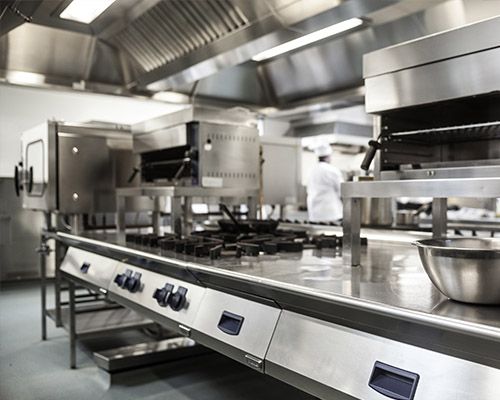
{"type": "Point", "coordinates": [73, 168]}
{"type": "Point", "coordinates": [200, 146]}
{"type": "Point", "coordinates": [437, 124]}
{"type": "Point", "coordinates": [301, 317]}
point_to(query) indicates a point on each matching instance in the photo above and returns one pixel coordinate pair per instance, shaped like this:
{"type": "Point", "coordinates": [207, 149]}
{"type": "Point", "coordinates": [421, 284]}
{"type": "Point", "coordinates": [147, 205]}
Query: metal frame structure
{"type": "Point", "coordinates": [182, 198]}
{"type": "Point", "coordinates": [317, 325]}
{"type": "Point", "coordinates": [438, 189]}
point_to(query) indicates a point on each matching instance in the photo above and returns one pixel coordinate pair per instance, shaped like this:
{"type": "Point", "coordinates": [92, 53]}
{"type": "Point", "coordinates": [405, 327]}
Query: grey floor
{"type": "Point", "coordinates": [35, 369]}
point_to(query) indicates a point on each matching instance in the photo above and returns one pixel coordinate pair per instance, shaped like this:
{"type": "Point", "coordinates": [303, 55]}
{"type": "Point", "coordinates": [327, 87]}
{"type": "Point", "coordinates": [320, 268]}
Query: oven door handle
{"type": "Point", "coordinates": [30, 180]}
{"type": "Point", "coordinates": [373, 146]}
{"type": "Point", "coordinates": [17, 185]}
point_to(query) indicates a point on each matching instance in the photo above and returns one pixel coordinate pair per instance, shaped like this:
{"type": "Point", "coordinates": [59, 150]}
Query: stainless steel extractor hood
{"type": "Point", "coordinates": [203, 48]}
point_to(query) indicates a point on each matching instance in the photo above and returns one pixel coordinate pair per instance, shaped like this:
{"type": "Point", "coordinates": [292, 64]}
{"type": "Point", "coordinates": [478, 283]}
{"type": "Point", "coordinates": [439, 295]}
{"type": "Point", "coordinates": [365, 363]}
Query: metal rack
{"type": "Point", "coordinates": [182, 199]}
{"type": "Point", "coordinates": [438, 189]}
{"type": "Point", "coordinates": [480, 130]}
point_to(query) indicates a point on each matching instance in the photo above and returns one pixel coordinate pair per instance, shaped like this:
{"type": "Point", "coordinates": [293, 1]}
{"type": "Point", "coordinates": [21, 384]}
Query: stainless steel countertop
{"type": "Point", "coordinates": [391, 280]}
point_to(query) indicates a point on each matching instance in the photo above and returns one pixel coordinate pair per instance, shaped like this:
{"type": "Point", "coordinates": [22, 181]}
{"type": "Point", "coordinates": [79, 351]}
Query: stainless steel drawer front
{"type": "Point", "coordinates": [238, 322]}
{"type": "Point", "coordinates": [344, 359]}
{"type": "Point", "coordinates": [90, 267]}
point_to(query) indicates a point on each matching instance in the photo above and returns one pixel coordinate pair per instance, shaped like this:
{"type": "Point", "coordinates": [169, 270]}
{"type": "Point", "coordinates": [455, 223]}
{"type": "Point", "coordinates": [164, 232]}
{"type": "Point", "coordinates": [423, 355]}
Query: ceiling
{"type": "Point", "coordinates": [203, 48]}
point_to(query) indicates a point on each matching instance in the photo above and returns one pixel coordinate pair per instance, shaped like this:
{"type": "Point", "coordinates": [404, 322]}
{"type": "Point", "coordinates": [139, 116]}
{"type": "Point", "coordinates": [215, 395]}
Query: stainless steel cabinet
{"type": "Point", "coordinates": [73, 168]}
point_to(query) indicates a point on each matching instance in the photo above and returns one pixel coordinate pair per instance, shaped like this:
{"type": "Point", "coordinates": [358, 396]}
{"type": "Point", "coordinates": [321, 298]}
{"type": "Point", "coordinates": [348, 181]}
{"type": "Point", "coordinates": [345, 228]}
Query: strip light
{"type": "Point", "coordinates": [312, 37]}
{"type": "Point", "coordinates": [85, 11]}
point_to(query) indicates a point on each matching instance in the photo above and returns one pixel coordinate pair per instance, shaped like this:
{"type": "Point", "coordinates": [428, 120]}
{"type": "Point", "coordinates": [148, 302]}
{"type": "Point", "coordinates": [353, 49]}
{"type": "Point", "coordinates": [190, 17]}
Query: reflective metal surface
{"type": "Point", "coordinates": [469, 187]}
{"type": "Point", "coordinates": [74, 168]}
{"type": "Point", "coordinates": [445, 80]}
{"type": "Point", "coordinates": [202, 48]}
{"type": "Point", "coordinates": [19, 235]}
{"type": "Point", "coordinates": [150, 281]}
{"type": "Point", "coordinates": [257, 326]}
{"type": "Point", "coordinates": [391, 280]}
{"type": "Point", "coordinates": [281, 170]}
{"type": "Point", "coordinates": [323, 358]}
{"type": "Point", "coordinates": [453, 43]}
{"type": "Point", "coordinates": [146, 354]}
{"type": "Point", "coordinates": [347, 357]}
{"type": "Point", "coordinates": [89, 267]}
{"type": "Point", "coordinates": [463, 269]}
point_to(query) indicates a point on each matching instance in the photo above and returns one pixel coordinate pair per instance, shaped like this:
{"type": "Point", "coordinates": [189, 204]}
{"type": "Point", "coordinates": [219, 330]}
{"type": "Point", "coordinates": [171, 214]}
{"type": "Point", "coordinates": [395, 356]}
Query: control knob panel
{"type": "Point", "coordinates": [129, 280]}
{"type": "Point", "coordinates": [167, 297]}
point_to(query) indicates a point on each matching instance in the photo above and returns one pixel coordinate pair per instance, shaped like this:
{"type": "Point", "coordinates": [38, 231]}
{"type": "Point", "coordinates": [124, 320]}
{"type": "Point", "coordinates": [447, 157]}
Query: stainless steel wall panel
{"type": "Point", "coordinates": [281, 171]}
{"type": "Point", "coordinates": [19, 237]}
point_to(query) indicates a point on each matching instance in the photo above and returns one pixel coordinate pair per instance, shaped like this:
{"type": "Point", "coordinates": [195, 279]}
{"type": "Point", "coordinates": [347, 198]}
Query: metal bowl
{"type": "Point", "coordinates": [463, 269]}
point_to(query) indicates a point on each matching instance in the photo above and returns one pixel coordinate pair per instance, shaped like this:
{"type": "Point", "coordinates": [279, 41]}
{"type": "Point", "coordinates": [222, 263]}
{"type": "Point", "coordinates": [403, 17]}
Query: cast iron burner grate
{"type": "Point", "coordinates": [218, 244]}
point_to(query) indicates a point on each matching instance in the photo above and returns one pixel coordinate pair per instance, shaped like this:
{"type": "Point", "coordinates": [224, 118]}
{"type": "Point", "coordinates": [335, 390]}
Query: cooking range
{"type": "Point", "coordinates": [230, 243]}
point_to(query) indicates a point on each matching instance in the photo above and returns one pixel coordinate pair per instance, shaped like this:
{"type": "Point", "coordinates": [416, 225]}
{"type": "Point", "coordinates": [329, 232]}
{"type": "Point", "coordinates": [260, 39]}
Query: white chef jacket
{"type": "Point", "coordinates": [323, 193]}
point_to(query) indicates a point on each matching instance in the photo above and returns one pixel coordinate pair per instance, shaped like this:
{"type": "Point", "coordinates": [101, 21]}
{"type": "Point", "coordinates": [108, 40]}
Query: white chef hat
{"type": "Point", "coordinates": [323, 150]}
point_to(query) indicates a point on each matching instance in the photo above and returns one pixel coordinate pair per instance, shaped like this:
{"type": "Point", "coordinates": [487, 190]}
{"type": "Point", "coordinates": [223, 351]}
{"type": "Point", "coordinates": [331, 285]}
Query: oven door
{"type": "Point", "coordinates": [38, 174]}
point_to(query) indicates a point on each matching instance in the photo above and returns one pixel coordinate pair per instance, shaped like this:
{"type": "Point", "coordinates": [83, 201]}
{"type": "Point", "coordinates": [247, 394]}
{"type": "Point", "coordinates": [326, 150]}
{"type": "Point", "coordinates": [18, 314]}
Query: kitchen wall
{"type": "Point", "coordinates": [22, 108]}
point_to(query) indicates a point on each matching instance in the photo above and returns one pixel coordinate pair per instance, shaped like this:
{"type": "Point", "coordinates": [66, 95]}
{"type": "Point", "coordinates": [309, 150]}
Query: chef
{"type": "Point", "coordinates": [323, 188]}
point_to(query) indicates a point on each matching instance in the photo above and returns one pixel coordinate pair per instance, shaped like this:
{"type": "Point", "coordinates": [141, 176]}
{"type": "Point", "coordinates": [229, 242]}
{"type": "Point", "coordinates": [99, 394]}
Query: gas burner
{"type": "Point", "coordinates": [198, 246]}
{"type": "Point", "coordinates": [141, 239]}
{"type": "Point", "coordinates": [327, 242]}
{"type": "Point", "coordinates": [218, 244]}
{"type": "Point", "coordinates": [331, 241]}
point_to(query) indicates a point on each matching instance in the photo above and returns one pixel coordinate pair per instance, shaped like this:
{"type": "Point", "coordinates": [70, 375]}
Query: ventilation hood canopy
{"type": "Point", "coordinates": [201, 50]}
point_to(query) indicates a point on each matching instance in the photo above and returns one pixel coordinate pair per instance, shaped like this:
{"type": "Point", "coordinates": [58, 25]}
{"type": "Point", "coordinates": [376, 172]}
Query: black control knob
{"type": "Point", "coordinates": [177, 300]}
{"type": "Point", "coordinates": [162, 295]}
{"type": "Point", "coordinates": [129, 280]}
{"type": "Point", "coordinates": [121, 279]}
{"type": "Point", "coordinates": [133, 283]}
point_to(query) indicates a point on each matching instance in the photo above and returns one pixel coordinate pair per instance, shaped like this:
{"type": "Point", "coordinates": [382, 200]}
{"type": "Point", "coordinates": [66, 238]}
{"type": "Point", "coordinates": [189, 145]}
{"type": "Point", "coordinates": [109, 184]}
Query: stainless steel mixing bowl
{"type": "Point", "coordinates": [463, 269]}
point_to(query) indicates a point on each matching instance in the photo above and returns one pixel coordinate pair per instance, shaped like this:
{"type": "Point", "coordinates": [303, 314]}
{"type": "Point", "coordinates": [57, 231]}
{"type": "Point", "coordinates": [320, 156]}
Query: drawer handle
{"type": "Point", "coordinates": [230, 323]}
{"type": "Point", "coordinates": [393, 382]}
{"type": "Point", "coordinates": [85, 267]}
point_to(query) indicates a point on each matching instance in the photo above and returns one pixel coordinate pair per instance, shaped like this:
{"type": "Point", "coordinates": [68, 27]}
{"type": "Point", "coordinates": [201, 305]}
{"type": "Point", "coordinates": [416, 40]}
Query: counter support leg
{"type": "Point", "coordinates": [43, 250]}
{"type": "Point", "coordinates": [188, 215]}
{"type": "Point", "coordinates": [351, 241]}
{"type": "Point", "coordinates": [72, 327]}
{"type": "Point", "coordinates": [176, 215]}
{"type": "Point", "coordinates": [252, 207]}
{"type": "Point", "coordinates": [439, 217]}
{"type": "Point", "coordinates": [157, 216]}
{"type": "Point", "coordinates": [57, 284]}
{"type": "Point", "coordinates": [120, 215]}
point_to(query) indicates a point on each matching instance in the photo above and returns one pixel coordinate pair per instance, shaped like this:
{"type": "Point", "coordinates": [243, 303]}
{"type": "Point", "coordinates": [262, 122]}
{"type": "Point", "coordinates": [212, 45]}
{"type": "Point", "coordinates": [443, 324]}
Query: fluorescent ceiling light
{"type": "Point", "coordinates": [85, 11]}
{"type": "Point", "coordinates": [312, 37]}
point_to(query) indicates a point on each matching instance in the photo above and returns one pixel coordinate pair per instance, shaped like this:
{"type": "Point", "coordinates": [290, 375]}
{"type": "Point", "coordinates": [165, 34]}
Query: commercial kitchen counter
{"type": "Point", "coordinates": [391, 284]}
{"type": "Point", "coordinates": [302, 315]}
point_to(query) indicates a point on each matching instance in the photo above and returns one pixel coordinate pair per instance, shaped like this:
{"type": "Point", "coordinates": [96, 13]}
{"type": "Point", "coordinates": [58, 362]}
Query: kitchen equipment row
{"type": "Point", "coordinates": [323, 358]}
{"type": "Point", "coordinates": [432, 137]}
